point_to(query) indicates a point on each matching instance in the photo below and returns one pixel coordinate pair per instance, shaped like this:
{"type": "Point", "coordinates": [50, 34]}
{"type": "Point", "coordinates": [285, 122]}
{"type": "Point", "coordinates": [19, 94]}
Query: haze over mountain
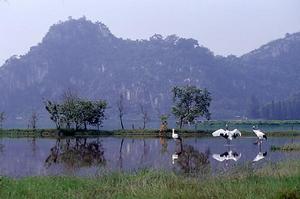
{"type": "Point", "coordinates": [88, 58]}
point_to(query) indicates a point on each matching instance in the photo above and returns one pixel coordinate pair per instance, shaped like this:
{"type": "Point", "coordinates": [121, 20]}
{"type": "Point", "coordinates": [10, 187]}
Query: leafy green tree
{"type": "Point", "coordinates": [98, 113]}
{"type": "Point", "coordinates": [77, 112]}
{"type": "Point", "coordinates": [85, 112]}
{"type": "Point", "coordinates": [70, 109]}
{"type": "Point", "coordinates": [54, 109]}
{"type": "Point", "coordinates": [190, 103]}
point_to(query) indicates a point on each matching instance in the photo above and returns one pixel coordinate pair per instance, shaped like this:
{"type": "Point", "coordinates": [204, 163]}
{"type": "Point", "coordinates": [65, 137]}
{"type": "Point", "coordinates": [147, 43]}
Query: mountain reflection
{"type": "Point", "coordinates": [76, 153]}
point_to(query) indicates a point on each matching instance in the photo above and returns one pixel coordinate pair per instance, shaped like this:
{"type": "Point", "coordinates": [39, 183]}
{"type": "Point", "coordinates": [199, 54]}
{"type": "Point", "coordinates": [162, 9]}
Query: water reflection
{"type": "Point", "coordinates": [1, 148]}
{"type": "Point", "coordinates": [227, 155]}
{"type": "Point", "coordinates": [120, 154]}
{"type": "Point", "coordinates": [261, 155]}
{"type": "Point", "coordinates": [192, 161]}
{"type": "Point", "coordinates": [94, 156]}
{"type": "Point", "coordinates": [189, 159]}
{"type": "Point", "coordinates": [164, 145]}
{"type": "Point", "coordinates": [76, 153]}
{"type": "Point", "coordinates": [178, 151]}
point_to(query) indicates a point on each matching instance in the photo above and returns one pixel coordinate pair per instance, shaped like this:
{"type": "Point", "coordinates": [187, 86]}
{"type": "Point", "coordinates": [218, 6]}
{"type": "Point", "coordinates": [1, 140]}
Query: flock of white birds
{"type": "Point", "coordinates": [228, 135]}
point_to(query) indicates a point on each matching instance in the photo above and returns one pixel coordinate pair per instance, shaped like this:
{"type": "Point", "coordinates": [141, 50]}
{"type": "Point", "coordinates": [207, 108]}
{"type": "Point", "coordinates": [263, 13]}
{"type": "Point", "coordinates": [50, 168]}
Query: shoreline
{"type": "Point", "coordinates": [151, 133]}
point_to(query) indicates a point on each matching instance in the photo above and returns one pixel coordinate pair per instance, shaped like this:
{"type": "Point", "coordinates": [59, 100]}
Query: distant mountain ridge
{"type": "Point", "coordinates": [85, 56]}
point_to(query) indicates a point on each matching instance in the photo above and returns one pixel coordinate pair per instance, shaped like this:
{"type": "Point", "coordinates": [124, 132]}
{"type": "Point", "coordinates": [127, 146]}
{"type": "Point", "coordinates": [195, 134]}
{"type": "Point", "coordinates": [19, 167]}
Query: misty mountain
{"type": "Point", "coordinates": [87, 58]}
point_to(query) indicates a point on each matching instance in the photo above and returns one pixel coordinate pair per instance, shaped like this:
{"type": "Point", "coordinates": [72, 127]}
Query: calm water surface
{"type": "Point", "coordinates": [21, 157]}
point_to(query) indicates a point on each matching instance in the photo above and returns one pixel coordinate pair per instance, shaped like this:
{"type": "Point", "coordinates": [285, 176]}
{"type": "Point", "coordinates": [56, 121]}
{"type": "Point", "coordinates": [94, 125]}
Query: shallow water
{"type": "Point", "coordinates": [21, 157]}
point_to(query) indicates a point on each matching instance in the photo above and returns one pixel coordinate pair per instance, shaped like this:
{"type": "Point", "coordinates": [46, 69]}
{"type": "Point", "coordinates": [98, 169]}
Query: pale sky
{"type": "Point", "coordinates": [224, 26]}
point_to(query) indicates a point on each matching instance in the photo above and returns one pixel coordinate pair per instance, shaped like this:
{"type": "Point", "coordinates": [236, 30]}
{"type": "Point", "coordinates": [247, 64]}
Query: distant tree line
{"type": "Point", "coordinates": [190, 103]}
{"type": "Point", "coordinates": [280, 110]}
{"type": "Point", "coordinates": [74, 112]}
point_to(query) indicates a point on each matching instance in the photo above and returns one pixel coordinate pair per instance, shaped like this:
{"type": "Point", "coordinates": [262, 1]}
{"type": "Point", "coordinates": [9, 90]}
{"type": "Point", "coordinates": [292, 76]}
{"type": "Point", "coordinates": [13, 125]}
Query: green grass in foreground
{"type": "Point", "coordinates": [286, 147]}
{"type": "Point", "coordinates": [275, 181]}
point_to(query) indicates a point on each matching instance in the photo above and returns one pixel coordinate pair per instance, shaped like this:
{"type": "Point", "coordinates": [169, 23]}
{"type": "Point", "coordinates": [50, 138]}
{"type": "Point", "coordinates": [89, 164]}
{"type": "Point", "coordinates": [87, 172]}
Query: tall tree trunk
{"type": "Point", "coordinates": [121, 121]}
{"type": "Point", "coordinates": [144, 125]}
{"type": "Point", "coordinates": [181, 122]}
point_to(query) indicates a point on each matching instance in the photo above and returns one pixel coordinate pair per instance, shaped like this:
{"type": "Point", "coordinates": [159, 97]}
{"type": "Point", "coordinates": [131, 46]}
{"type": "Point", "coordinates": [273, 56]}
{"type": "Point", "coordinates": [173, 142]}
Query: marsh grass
{"type": "Point", "coordinates": [274, 181]}
{"type": "Point", "coordinates": [53, 133]}
{"type": "Point", "coordinates": [286, 147]}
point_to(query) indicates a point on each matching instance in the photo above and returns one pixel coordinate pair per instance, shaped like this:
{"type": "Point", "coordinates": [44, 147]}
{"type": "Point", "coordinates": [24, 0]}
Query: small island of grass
{"type": "Point", "coordinates": [286, 147]}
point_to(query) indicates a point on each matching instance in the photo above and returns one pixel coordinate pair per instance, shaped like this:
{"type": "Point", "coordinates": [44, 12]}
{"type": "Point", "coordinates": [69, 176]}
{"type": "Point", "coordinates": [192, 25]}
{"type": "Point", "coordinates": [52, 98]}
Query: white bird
{"type": "Point", "coordinates": [260, 156]}
{"type": "Point", "coordinates": [227, 156]}
{"type": "Point", "coordinates": [174, 135]}
{"type": "Point", "coordinates": [259, 134]}
{"type": "Point", "coordinates": [226, 133]}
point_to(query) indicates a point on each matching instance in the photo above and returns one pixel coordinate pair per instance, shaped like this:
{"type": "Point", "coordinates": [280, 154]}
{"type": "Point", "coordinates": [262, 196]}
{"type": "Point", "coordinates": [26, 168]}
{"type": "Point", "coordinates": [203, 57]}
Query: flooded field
{"type": "Point", "coordinates": [21, 157]}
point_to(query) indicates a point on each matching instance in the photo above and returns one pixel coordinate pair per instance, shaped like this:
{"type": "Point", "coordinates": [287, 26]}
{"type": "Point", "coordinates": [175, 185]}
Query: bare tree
{"type": "Point", "coordinates": [33, 120]}
{"type": "Point", "coordinates": [121, 109]}
{"type": "Point", "coordinates": [145, 115]}
{"type": "Point", "coordinates": [2, 118]}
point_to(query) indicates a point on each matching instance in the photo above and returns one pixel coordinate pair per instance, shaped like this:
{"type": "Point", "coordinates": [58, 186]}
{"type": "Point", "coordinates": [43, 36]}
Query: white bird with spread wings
{"type": "Point", "coordinates": [229, 135]}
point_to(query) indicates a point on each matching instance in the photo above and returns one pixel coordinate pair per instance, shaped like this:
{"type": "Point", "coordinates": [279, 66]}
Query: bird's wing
{"type": "Point", "coordinates": [218, 157]}
{"type": "Point", "coordinates": [258, 133]}
{"type": "Point", "coordinates": [235, 133]}
{"type": "Point", "coordinates": [224, 154]}
{"type": "Point", "coordinates": [236, 156]}
{"type": "Point", "coordinates": [218, 132]}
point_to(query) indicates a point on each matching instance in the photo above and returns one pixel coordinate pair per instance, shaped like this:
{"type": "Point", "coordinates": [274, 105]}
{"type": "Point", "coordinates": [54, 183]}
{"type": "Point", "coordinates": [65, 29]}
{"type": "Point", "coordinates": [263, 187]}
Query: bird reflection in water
{"type": "Point", "coordinates": [260, 155]}
{"type": "Point", "coordinates": [227, 156]}
{"type": "Point", "coordinates": [76, 153]}
{"type": "Point", "coordinates": [178, 151]}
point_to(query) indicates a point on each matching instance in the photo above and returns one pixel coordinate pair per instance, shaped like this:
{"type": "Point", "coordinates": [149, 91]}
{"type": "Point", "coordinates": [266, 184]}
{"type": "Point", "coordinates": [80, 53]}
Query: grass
{"type": "Point", "coordinates": [286, 147]}
{"type": "Point", "coordinates": [274, 181]}
{"type": "Point", "coordinates": [53, 133]}
{"type": "Point", "coordinates": [246, 125]}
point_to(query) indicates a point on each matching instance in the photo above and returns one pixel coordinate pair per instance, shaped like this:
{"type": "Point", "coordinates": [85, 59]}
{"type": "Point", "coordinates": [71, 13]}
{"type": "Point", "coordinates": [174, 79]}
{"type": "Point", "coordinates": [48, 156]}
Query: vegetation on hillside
{"type": "Point", "coordinates": [84, 55]}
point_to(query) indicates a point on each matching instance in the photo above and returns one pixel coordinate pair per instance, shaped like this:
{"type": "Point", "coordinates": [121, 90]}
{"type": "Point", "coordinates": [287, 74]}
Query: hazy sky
{"type": "Point", "coordinates": [224, 26]}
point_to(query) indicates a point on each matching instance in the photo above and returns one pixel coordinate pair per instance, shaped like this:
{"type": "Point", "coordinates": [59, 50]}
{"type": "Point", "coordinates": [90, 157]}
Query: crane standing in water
{"type": "Point", "coordinates": [260, 135]}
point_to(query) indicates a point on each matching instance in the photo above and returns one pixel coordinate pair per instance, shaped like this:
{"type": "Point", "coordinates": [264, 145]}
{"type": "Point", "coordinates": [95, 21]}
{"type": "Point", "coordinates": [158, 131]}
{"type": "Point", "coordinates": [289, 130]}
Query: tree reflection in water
{"type": "Point", "coordinates": [76, 153]}
{"type": "Point", "coordinates": [164, 145]}
{"type": "Point", "coordinates": [192, 161]}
